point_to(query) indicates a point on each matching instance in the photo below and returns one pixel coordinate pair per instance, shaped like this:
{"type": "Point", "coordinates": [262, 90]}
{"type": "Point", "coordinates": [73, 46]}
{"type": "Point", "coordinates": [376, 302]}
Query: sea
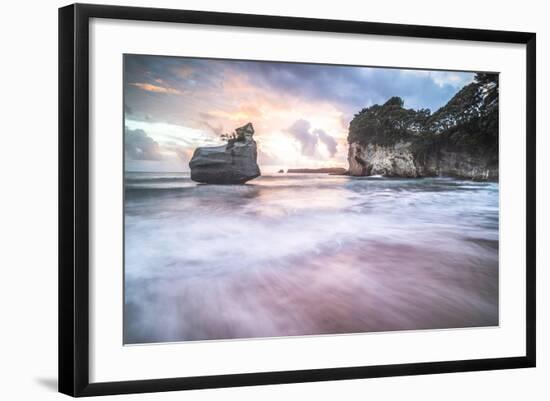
{"type": "Point", "coordinates": [307, 254]}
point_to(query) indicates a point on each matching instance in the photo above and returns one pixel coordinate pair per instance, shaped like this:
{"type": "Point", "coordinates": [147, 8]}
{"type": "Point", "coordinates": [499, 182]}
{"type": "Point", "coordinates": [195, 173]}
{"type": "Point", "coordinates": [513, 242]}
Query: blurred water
{"type": "Point", "coordinates": [292, 254]}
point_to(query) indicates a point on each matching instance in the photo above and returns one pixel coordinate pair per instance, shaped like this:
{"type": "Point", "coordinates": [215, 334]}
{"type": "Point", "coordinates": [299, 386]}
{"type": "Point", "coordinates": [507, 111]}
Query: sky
{"type": "Point", "coordinates": [300, 112]}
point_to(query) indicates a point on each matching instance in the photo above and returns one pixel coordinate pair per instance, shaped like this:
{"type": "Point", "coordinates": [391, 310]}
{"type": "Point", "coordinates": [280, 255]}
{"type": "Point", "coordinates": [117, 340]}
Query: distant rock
{"type": "Point", "coordinates": [233, 163]}
{"type": "Point", "coordinates": [324, 170]}
{"type": "Point", "coordinates": [458, 140]}
{"type": "Point", "coordinates": [281, 171]}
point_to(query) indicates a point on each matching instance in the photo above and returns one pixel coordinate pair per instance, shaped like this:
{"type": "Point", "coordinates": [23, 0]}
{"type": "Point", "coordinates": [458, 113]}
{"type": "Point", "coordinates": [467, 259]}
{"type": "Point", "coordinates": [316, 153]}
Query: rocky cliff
{"type": "Point", "coordinates": [460, 139]}
{"type": "Point", "coordinates": [233, 163]}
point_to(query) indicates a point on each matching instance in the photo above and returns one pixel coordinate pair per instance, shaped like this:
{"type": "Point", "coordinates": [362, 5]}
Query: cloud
{"type": "Point", "coordinates": [327, 140]}
{"type": "Point", "coordinates": [301, 112]}
{"type": "Point", "coordinates": [308, 140]}
{"type": "Point", "coordinates": [183, 153]}
{"type": "Point", "coordinates": [351, 87]}
{"type": "Point", "coordinates": [265, 158]}
{"type": "Point", "coordinates": [455, 79]}
{"type": "Point", "coordinates": [139, 146]}
{"type": "Point", "coordinates": [221, 86]}
{"type": "Point", "coordinates": [143, 153]}
{"type": "Point", "coordinates": [215, 129]}
{"type": "Point", "coordinates": [185, 71]}
{"type": "Point", "coordinates": [210, 122]}
{"type": "Point", "coordinates": [156, 88]}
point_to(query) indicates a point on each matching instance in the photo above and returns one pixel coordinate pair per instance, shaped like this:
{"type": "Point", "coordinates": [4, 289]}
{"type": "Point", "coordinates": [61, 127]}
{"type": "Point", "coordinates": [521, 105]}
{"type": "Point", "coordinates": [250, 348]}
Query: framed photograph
{"type": "Point", "coordinates": [251, 199]}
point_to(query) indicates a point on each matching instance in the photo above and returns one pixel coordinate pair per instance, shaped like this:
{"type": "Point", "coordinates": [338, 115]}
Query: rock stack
{"type": "Point", "coordinates": [232, 163]}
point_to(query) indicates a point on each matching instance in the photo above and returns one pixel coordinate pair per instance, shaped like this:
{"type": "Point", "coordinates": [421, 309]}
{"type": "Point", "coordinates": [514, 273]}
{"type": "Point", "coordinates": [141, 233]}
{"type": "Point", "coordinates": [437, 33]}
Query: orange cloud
{"type": "Point", "coordinates": [156, 88]}
{"type": "Point", "coordinates": [244, 112]}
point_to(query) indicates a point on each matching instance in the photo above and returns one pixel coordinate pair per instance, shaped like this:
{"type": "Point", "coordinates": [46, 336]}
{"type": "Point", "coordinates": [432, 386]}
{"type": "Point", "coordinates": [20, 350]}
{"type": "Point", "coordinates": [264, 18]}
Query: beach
{"type": "Point", "coordinates": [307, 254]}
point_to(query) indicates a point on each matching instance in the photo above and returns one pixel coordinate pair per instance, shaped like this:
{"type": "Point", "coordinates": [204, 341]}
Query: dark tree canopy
{"type": "Point", "coordinates": [387, 123]}
{"type": "Point", "coordinates": [468, 120]}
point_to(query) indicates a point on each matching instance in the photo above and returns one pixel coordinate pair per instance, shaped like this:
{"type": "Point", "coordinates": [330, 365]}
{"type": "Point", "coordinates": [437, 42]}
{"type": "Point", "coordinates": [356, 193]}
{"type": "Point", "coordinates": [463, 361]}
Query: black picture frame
{"type": "Point", "coordinates": [74, 202]}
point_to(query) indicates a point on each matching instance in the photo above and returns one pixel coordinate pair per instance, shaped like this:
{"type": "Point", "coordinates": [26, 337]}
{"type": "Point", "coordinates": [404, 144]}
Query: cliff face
{"type": "Point", "coordinates": [460, 139]}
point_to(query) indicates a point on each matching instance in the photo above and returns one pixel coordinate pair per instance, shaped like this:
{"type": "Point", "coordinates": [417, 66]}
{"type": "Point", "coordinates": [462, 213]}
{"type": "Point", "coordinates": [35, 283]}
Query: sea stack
{"type": "Point", "coordinates": [232, 163]}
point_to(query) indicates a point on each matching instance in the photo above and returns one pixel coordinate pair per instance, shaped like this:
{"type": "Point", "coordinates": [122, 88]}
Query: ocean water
{"type": "Point", "coordinates": [293, 254]}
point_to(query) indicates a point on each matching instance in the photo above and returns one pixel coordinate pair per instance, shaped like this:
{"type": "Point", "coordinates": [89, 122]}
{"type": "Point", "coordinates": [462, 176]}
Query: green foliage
{"type": "Point", "coordinates": [484, 78]}
{"type": "Point", "coordinates": [232, 137]}
{"type": "Point", "coordinates": [387, 123]}
{"type": "Point", "coordinates": [469, 121]}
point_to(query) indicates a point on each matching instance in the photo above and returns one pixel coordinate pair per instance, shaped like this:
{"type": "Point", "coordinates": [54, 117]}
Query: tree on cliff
{"type": "Point", "coordinates": [469, 119]}
{"type": "Point", "coordinates": [387, 123]}
{"type": "Point", "coordinates": [232, 137]}
{"type": "Point", "coordinates": [239, 135]}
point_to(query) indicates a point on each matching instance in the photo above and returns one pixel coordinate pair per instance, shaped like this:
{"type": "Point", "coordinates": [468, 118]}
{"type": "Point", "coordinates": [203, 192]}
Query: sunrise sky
{"type": "Point", "coordinates": [300, 112]}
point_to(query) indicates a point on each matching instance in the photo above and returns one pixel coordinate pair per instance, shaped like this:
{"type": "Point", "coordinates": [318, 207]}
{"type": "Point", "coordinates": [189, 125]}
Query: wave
{"type": "Point", "coordinates": [308, 256]}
